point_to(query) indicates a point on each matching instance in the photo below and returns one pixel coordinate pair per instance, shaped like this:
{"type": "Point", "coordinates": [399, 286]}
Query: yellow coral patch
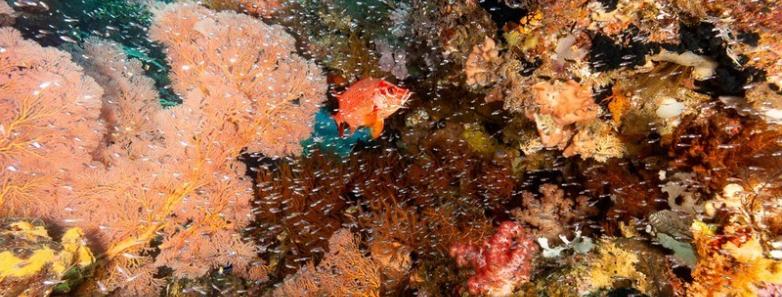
{"type": "Point", "coordinates": [73, 244]}
{"type": "Point", "coordinates": [614, 263]}
{"type": "Point", "coordinates": [26, 230]}
{"type": "Point", "coordinates": [74, 253]}
{"type": "Point", "coordinates": [12, 266]}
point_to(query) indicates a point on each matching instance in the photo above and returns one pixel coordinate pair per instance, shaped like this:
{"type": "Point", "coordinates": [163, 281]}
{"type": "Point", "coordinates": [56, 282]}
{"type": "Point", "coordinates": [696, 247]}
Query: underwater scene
{"type": "Point", "coordinates": [391, 148]}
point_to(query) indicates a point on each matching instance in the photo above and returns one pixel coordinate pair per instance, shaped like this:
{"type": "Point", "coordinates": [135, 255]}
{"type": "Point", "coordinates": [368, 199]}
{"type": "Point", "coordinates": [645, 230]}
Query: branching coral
{"type": "Point", "coordinates": [48, 124]}
{"type": "Point", "coordinates": [344, 271]}
{"type": "Point", "coordinates": [170, 176]}
{"type": "Point", "coordinates": [501, 263]}
{"type": "Point", "coordinates": [557, 106]}
{"type": "Point", "coordinates": [5, 8]}
{"type": "Point", "coordinates": [596, 141]}
{"type": "Point", "coordinates": [612, 263]}
{"type": "Point", "coordinates": [300, 206]}
{"type": "Point", "coordinates": [482, 64]}
{"type": "Point", "coordinates": [624, 264]}
{"type": "Point", "coordinates": [720, 144]}
{"type": "Point", "coordinates": [552, 214]}
{"type": "Point", "coordinates": [129, 101]}
{"type": "Point", "coordinates": [277, 92]}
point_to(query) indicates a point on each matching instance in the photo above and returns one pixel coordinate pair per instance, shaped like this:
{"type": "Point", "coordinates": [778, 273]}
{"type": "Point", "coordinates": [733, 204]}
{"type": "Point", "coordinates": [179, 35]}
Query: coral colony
{"type": "Point", "coordinates": [391, 148]}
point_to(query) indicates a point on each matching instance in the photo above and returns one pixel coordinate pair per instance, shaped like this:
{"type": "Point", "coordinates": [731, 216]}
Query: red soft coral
{"type": "Point", "coordinates": [501, 263]}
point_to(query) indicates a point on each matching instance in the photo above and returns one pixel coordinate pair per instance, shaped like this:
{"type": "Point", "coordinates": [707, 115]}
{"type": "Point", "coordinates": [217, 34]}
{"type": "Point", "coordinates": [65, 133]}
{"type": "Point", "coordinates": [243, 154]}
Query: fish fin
{"type": "Point", "coordinates": [377, 128]}
{"type": "Point", "coordinates": [340, 124]}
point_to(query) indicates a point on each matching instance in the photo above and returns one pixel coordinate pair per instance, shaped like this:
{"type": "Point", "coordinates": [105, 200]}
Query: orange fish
{"type": "Point", "coordinates": [367, 103]}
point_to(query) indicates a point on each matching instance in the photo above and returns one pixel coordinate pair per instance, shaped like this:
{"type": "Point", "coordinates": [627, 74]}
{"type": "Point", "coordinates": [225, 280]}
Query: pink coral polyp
{"type": "Point", "coordinates": [501, 263]}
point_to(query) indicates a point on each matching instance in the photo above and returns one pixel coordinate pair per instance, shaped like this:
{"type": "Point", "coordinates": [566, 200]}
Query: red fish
{"type": "Point", "coordinates": [367, 103]}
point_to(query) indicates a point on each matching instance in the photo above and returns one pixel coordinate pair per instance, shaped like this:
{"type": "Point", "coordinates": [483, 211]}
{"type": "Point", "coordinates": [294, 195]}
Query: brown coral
{"type": "Point", "coordinates": [551, 215]}
{"type": "Point", "coordinates": [262, 8]}
{"type": "Point", "coordinates": [344, 271]}
{"type": "Point", "coordinates": [719, 144]}
{"type": "Point", "coordinates": [482, 63]}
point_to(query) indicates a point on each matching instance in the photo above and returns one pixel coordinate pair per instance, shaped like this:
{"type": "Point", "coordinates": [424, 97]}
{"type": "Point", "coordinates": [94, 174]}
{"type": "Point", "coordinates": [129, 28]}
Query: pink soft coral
{"type": "Point", "coordinates": [501, 263]}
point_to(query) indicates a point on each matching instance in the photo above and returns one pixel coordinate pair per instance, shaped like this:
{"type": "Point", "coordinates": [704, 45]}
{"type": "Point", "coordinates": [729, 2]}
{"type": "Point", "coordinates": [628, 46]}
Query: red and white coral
{"type": "Point", "coordinates": [501, 263]}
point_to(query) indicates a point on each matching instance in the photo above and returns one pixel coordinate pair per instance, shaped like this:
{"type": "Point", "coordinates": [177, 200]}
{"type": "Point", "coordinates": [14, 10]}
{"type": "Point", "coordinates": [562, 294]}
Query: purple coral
{"type": "Point", "coordinates": [501, 263]}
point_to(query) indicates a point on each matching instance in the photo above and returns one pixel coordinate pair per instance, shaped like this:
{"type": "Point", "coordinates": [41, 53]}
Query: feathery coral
{"type": "Point", "coordinates": [168, 175]}
{"type": "Point", "coordinates": [276, 92]}
{"type": "Point", "coordinates": [551, 214]}
{"type": "Point", "coordinates": [344, 271]}
{"type": "Point", "coordinates": [48, 124]}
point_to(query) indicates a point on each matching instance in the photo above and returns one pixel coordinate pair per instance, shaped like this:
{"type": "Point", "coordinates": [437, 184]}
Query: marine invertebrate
{"type": "Point", "coordinates": [33, 264]}
{"type": "Point", "coordinates": [263, 8]}
{"type": "Point", "coordinates": [300, 206]}
{"type": "Point", "coordinates": [551, 215]}
{"type": "Point", "coordinates": [557, 106]}
{"type": "Point", "coordinates": [613, 262]}
{"type": "Point", "coordinates": [213, 48]}
{"type": "Point", "coordinates": [699, 143]}
{"type": "Point", "coordinates": [501, 263]}
{"type": "Point", "coordinates": [39, 146]}
{"type": "Point", "coordinates": [171, 175]}
{"type": "Point", "coordinates": [731, 262]}
{"type": "Point", "coordinates": [6, 14]}
{"type": "Point", "coordinates": [369, 102]}
{"type": "Point", "coordinates": [567, 103]}
{"type": "Point", "coordinates": [6, 9]}
{"type": "Point", "coordinates": [482, 64]}
{"type": "Point", "coordinates": [129, 101]}
{"type": "Point", "coordinates": [596, 141]}
{"type": "Point", "coordinates": [344, 271]}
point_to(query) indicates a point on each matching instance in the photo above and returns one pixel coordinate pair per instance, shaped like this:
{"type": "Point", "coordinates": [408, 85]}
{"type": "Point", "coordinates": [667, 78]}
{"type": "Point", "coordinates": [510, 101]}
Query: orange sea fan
{"type": "Point", "coordinates": [160, 174]}
{"type": "Point", "coordinates": [48, 122]}
{"type": "Point", "coordinates": [274, 91]}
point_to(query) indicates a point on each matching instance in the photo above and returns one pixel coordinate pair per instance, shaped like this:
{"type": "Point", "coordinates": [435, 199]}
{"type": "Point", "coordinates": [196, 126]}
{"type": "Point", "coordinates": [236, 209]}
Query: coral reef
{"type": "Point", "coordinates": [42, 85]}
{"type": "Point", "coordinates": [501, 263]}
{"type": "Point", "coordinates": [551, 148]}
